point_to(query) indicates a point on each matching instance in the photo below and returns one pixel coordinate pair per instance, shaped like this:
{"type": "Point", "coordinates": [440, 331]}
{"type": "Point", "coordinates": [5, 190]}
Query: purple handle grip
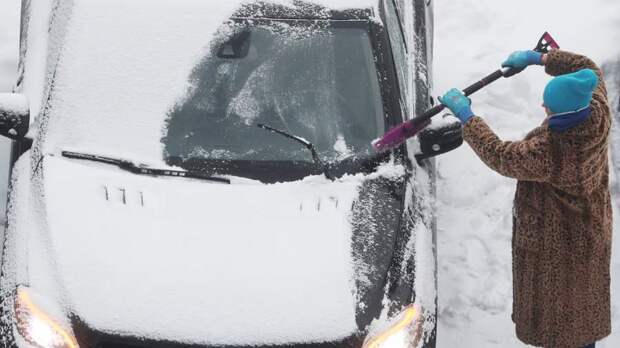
{"type": "Point", "coordinates": [397, 136]}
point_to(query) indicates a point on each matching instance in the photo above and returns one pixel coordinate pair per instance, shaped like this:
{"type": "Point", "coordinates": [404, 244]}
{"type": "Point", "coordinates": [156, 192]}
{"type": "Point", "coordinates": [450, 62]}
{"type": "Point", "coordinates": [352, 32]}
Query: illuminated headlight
{"type": "Point", "coordinates": [405, 331]}
{"type": "Point", "coordinates": [38, 328]}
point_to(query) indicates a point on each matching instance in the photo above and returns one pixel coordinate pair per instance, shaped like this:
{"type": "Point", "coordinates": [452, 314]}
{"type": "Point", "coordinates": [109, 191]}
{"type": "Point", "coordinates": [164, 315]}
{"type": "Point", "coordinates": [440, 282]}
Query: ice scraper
{"type": "Point", "coordinates": [408, 129]}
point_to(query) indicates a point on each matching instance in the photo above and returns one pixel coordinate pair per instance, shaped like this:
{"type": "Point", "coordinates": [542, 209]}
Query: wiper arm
{"type": "Point", "coordinates": [142, 170]}
{"type": "Point", "coordinates": [308, 145]}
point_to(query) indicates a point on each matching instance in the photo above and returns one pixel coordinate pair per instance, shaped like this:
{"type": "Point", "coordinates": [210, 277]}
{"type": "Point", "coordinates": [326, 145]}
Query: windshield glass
{"type": "Point", "coordinates": [190, 88]}
{"type": "Point", "coordinates": [316, 80]}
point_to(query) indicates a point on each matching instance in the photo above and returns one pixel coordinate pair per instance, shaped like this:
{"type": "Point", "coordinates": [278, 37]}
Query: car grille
{"type": "Point", "coordinates": [342, 344]}
{"type": "Point", "coordinates": [91, 338]}
{"type": "Point", "coordinates": [117, 343]}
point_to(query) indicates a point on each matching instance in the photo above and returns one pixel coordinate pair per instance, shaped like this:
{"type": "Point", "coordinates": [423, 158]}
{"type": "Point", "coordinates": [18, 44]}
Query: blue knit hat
{"type": "Point", "coordinates": [570, 92]}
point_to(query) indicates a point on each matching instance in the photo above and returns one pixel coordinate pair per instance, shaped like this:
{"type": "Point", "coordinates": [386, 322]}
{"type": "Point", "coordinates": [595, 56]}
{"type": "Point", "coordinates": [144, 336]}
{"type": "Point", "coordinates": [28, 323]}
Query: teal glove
{"type": "Point", "coordinates": [459, 104]}
{"type": "Point", "coordinates": [523, 59]}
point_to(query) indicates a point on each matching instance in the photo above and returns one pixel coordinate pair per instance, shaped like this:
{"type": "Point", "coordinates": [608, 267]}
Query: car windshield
{"type": "Point", "coordinates": [312, 79]}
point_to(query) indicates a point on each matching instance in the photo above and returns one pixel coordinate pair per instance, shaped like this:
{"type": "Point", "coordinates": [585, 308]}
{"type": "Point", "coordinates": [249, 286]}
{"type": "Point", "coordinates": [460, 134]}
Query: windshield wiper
{"type": "Point", "coordinates": [308, 145]}
{"type": "Point", "coordinates": [143, 170]}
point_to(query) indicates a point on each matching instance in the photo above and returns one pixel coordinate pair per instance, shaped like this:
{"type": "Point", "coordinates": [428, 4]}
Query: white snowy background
{"type": "Point", "coordinates": [471, 40]}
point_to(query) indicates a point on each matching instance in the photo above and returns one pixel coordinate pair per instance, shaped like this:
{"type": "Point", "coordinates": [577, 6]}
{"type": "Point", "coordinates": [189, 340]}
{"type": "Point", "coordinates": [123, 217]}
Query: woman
{"type": "Point", "coordinates": [562, 209]}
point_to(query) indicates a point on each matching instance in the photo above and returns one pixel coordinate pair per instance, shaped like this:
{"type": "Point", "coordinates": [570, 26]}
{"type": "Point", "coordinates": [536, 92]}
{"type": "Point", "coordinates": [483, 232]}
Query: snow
{"type": "Point", "coordinates": [9, 51]}
{"type": "Point", "coordinates": [613, 85]}
{"type": "Point", "coordinates": [275, 259]}
{"type": "Point", "coordinates": [171, 41]}
{"type": "Point", "coordinates": [340, 146]}
{"type": "Point", "coordinates": [472, 38]}
{"type": "Point", "coordinates": [441, 121]}
{"type": "Point", "coordinates": [347, 4]}
{"type": "Point", "coordinates": [303, 290]}
{"type": "Point", "coordinates": [41, 52]}
{"type": "Point", "coordinates": [13, 104]}
{"type": "Point", "coordinates": [421, 246]}
{"type": "Point", "coordinates": [9, 29]}
{"type": "Point", "coordinates": [335, 4]}
{"type": "Point", "coordinates": [474, 236]}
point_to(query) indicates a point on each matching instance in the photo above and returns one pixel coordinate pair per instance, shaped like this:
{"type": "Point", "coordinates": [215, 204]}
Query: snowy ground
{"type": "Point", "coordinates": [471, 39]}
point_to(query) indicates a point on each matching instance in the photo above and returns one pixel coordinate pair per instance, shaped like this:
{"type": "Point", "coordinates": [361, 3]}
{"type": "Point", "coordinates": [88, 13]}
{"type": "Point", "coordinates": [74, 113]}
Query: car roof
{"type": "Point", "coordinates": [322, 9]}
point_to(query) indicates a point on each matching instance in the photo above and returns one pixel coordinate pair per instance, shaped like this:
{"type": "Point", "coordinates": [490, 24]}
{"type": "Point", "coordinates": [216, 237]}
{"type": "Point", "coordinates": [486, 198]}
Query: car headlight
{"type": "Point", "coordinates": [404, 332]}
{"type": "Point", "coordinates": [38, 328]}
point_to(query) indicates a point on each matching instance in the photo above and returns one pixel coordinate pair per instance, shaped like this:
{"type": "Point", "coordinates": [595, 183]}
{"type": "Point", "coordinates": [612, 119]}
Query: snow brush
{"type": "Point", "coordinates": [408, 129]}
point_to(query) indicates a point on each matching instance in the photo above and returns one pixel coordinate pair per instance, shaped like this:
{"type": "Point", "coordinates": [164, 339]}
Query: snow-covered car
{"type": "Point", "coordinates": [200, 174]}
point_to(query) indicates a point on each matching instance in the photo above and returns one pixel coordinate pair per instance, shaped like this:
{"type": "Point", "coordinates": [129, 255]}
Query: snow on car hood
{"type": "Point", "coordinates": [202, 262]}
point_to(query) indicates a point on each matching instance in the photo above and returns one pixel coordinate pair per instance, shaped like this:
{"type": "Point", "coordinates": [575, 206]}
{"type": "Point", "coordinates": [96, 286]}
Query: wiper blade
{"type": "Point", "coordinates": [143, 170]}
{"type": "Point", "coordinates": [308, 145]}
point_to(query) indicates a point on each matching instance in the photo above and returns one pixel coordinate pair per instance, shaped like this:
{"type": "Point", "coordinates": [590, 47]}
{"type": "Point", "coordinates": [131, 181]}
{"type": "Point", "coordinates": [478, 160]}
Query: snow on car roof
{"type": "Point", "coordinates": [335, 4]}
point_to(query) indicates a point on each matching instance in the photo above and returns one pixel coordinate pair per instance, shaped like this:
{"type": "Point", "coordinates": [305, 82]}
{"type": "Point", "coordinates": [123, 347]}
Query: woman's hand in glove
{"type": "Point", "coordinates": [459, 104]}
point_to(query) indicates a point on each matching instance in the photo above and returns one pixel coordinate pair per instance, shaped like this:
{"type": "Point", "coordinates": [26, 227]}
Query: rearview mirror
{"type": "Point", "coordinates": [441, 137]}
{"type": "Point", "coordinates": [236, 47]}
{"type": "Point", "coordinates": [14, 115]}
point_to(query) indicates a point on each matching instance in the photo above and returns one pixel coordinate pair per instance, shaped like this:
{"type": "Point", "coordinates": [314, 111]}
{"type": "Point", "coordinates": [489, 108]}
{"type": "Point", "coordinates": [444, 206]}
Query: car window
{"type": "Point", "coordinates": [400, 7]}
{"type": "Point", "coordinates": [399, 49]}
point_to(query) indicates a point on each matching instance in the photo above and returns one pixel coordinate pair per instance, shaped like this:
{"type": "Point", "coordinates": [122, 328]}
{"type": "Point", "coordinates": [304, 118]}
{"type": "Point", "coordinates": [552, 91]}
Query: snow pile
{"type": "Point", "coordinates": [474, 236]}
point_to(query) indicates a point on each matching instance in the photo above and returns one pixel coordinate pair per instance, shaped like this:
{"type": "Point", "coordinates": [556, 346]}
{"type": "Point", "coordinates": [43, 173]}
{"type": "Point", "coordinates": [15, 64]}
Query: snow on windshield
{"type": "Point", "coordinates": [124, 65]}
{"type": "Point", "coordinates": [314, 80]}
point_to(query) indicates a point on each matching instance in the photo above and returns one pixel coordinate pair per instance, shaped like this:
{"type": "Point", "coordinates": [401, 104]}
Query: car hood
{"type": "Point", "coordinates": [202, 262]}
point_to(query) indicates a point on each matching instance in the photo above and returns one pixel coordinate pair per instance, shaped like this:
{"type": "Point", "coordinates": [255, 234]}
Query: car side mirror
{"type": "Point", "coordinates": [440, 138]}
{"type": "Point", "coordinates": [14, 115]}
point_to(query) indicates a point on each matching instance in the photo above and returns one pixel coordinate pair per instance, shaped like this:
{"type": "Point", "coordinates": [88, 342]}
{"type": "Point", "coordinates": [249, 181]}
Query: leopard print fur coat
{"type": "Point", "coordinates": [562, 226]}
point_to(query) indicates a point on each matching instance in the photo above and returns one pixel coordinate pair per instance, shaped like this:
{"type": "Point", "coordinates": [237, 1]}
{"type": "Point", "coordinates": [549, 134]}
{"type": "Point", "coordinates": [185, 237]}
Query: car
{"type": "Point", "coordinates": [201, 174]}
